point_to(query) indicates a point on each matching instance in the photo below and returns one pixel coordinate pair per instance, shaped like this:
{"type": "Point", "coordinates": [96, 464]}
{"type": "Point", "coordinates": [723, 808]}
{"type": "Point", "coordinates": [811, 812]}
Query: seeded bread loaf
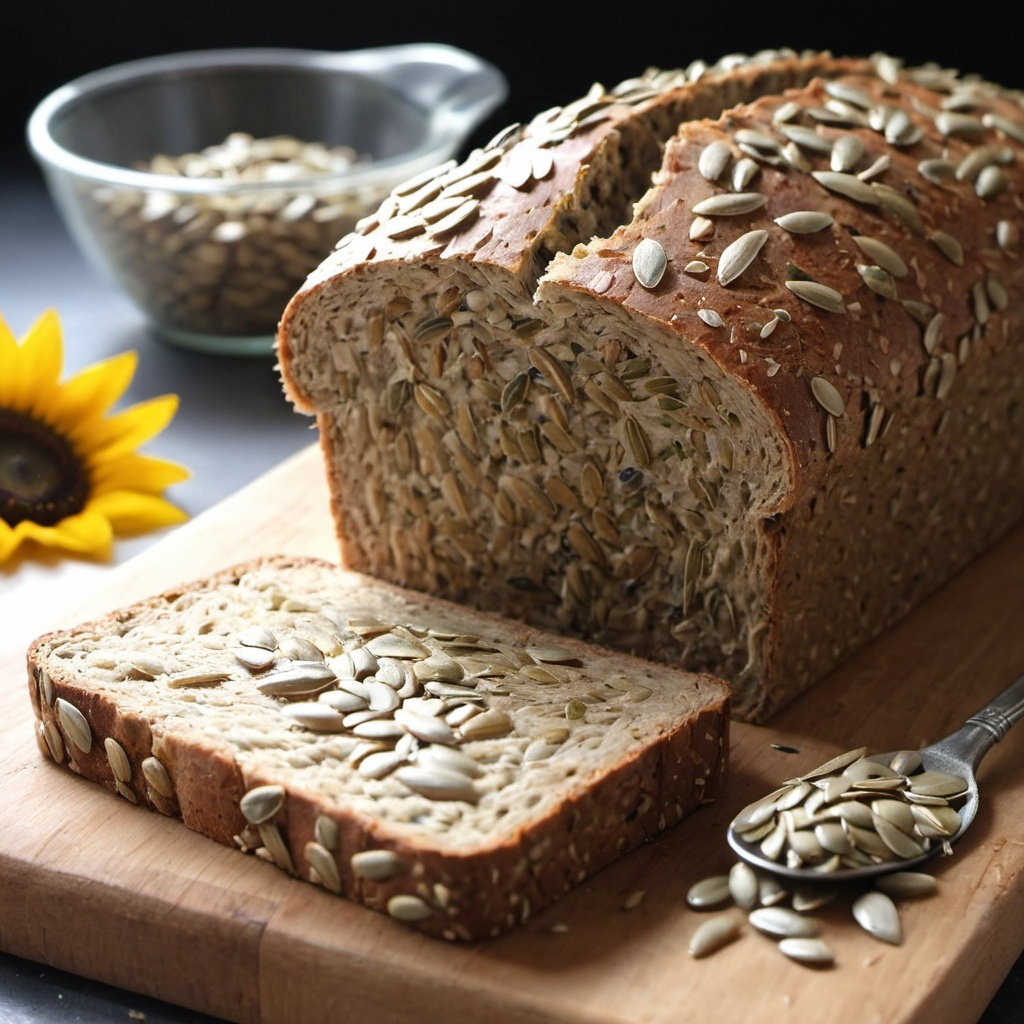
{"type": "Point", "coordinates": [447, 767]}
{"type": "Point", "coordinates": [756, 420]}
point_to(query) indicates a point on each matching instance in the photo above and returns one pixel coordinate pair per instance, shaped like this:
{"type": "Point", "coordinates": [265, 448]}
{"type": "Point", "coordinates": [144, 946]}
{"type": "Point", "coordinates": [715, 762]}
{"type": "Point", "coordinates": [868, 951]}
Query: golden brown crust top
{"type": "Point", "coordinates": [515, 202]}
{"type": "Point", "coordinates": [878, 242]}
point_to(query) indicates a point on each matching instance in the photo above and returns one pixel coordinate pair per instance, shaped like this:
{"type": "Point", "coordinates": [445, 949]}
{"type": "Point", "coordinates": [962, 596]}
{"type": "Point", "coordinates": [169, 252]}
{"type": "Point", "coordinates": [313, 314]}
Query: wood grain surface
{"type": "Point", "coordinates": [93, 885]}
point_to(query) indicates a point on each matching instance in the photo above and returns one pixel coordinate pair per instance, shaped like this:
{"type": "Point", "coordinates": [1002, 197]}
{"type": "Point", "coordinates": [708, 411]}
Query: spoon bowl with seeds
{"type": "Point", "coordinates": [860, 815]}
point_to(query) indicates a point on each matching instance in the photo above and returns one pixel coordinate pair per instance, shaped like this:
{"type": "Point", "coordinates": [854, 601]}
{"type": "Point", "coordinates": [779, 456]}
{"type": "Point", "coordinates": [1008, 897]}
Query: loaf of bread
{"type": "Point", "coordinates": [449, 768]}
{"type": "Point", "coordinates": [736, 402]}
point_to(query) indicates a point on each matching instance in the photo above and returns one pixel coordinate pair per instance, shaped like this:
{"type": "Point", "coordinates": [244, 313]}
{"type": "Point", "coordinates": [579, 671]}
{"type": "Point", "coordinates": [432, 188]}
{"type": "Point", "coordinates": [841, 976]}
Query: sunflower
{"type": "Point", "coordinates": [70, 475]}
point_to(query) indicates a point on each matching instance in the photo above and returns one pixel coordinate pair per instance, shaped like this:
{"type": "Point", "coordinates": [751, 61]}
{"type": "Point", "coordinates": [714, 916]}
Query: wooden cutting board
{"type": "Point", "coordinates": [93, 885]}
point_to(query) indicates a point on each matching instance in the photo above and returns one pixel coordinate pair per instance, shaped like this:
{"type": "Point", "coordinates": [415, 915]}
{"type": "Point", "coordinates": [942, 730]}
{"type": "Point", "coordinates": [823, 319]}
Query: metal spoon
{"type": "Point", "coordinates": [958, 754]}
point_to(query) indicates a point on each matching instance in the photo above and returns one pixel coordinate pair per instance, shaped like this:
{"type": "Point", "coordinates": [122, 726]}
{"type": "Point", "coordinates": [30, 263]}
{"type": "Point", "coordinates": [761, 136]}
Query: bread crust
{"type": "Point", "coordinates": [472, 884]}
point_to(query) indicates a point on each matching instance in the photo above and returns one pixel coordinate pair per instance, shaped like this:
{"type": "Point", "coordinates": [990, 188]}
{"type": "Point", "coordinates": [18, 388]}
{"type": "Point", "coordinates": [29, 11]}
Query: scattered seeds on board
{"type": "Point", "coordinates": [812, 951]}
{"type": "Point", "coordinates": [714, 933]}
{"type": "Point", "coordinates": [876, 913]}
{"type": "Point", "coordinates": [709, 892]}
{"type": "Point", "coordinates": [860, 807]}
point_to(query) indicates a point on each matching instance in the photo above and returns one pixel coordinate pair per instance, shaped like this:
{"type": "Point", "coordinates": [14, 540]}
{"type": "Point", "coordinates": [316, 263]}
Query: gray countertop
{"type": "Point", "coordinates": [233, 424]}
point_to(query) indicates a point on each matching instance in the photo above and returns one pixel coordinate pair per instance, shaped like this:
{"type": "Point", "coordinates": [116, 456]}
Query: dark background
{"type": "Point", "coordinates": [550, 52]}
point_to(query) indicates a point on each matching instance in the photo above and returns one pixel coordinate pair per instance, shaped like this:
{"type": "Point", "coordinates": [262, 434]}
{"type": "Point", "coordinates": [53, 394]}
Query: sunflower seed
{"type": "Point", "coordinates": [376, 865]}
{"type": "Point", "coordinates": [638, 443]}
{"type": "Point", "coordinates": [948, 246]}
{"type": "Point", "coordinates": [326, 832]}
{"type": "Point", "coordinates": [942, 784]}
{"type": "Point", "coordinates": [849, 94]}
{"type": "Point", "coordinates": [394, 645]}
{"type": "Point", "coordinates": [806, 138]}
{"type": "Point", "coordinates": [369, 725]}
{"type": "Point", "coordinates": [900, 130]}
{"type": "Point", "coordinates": [817, 294]}
{"type": "Point", "coordinates": [804, 222]}
{"type": "Point", "coordinates": [438, 783]}
{"type": "Point", "coordinates": [1007, 235]}
{"type": "Point", "coordinates": [316, 716]}
{"type": "Point", "coordinates": [1003, 124]}
{"type": "Point", "coordinates": [379, 764]}
{"type": "Point", "coordinates": [743, 885]}
{"type": "Point", "coordinates": [709, 892]}
{"type": "Point", "coordinates": [74, 723]}
{"type": "Point", "coordinates": [156, 775]}
{"type": "Point", "coordinates": [261, 803]}
{"type": "Point", "coordinates": [322, 862]}
{"type": "Point", "coordinates": [425, 727]}
{"type": "Point", "coordinates": [649, 262]}
{"type": "Point", "coordinates": [300, 679]}
{"type": "Point", "coordinates": [936, 170]}
{"type": "Point", "coordinates": [254, 658]}
{"type": "Point", "coordinates": [120, 766]}
{"type": "Point", "coordinates": [54, 743]}
{"type": "Point", "coordinates": [701, 229]}
{"type": "Point", "coordinates": [807, 951]}
{"type": "Point", "coordinates": [729, 204]}
{"type": "Point", "coordinates": [743, 174]}
{"type": "Point", "coordinates": [899, 206]}
{"type": "Point", "coordinates": [739, 254]}
{"type": "Point", "coordinates": [906, 884]}
{"type": "Point", "coordinates": [298, 648]}
{"type": "Point", "coordinates": [847, 185]}
{"type": "Point", "coordinates": [710, 317]}
{"type": "Point", "coordinates": [257, 636]}
{"type": "Point", "coordinates": [554, 371]}
{"type": "Point", "coordinates": [714, 159]}
{"type": "Point", "coordinates": [450, 759]}
{"type": "Point", "coordinates": [878, 280]}
{"type": "Point", "coordinates": [935, 822]}
{"type": "Point", "coordinates": [991, 182]}
{"type": "Point", "coordinates": [198, 677]}
{"type": "Point", "coordinates": [876, 913]}
{"type": "Point", "coordinates": [877, 167]}
{"type": "Point", "coordinates": [847, 152]}
{"type": "Point", "coordinates": [408, 908]}
{"type": "Point", "coordinates": [961, 125]}
{"type": "Point", "coordinates": [828, 396]}
{"type": "Point", "coordinates": [782, 922]}
{"type": "Point", "coordinates": [714, 933]}
{"type": "Point", "coordinates": [882, 254]}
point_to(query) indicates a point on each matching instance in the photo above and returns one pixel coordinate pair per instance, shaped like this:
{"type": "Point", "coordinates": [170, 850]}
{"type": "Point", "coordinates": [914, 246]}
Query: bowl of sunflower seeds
{"type": "Point", "coordinates": [209, 184]}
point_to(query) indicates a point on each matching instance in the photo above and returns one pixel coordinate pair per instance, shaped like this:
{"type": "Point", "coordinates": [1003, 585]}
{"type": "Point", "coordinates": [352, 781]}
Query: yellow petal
{"type": "Point", "coordinates": [9, 541]}
{"type": "Point", "coordinates": [85, 533]}
{"type": "Point", "coordinates": [92, 391]}
{"type": "Point", "coordinates": [135, 472]}
{"type": "Point", "coordinates": [8, 363]}
{"type": "Point", "coordinates": [124, 431]}
{"type": "Point", "coordinates": [41, 358]}
{"type": "Point", "coordinates": [130, 512]}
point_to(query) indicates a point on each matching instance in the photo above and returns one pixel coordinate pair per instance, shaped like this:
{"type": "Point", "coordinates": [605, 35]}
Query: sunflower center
{"type": "Point", "coordinates": [41, 477]}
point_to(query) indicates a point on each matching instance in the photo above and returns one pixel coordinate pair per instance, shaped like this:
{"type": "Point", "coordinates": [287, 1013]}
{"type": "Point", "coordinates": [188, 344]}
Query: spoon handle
{"type": "Point", "coordinates": [986, 727]}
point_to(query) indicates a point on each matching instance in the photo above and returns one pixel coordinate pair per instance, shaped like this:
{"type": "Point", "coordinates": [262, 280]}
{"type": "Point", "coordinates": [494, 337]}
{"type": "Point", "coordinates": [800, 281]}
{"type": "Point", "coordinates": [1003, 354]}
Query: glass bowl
{"type": "Point", "coordinates": [300, 145]}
